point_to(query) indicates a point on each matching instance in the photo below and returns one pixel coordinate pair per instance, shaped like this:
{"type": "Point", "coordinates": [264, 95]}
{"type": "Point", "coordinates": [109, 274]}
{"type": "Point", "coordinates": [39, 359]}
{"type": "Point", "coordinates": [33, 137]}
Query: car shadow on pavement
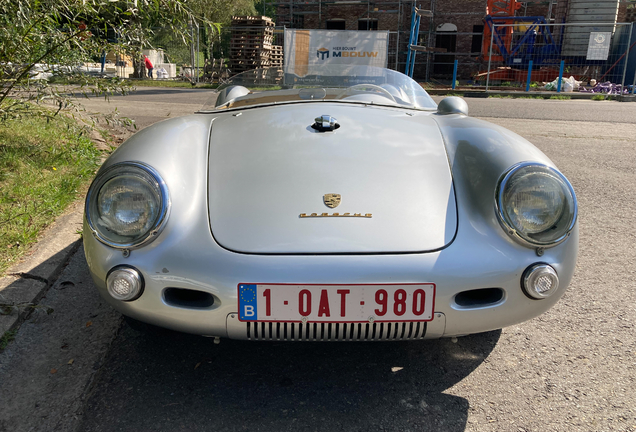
{"type": "Point", "coordinates": [176, 381]}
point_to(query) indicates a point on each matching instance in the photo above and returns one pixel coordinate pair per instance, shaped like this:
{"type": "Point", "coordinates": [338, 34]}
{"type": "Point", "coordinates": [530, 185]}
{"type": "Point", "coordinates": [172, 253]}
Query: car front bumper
{"type": "Point", "coordinates": [195, 262]}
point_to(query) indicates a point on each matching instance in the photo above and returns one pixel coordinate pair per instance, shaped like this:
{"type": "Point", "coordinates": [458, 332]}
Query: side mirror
{"type": "Point", "coordinates": [452, 105]}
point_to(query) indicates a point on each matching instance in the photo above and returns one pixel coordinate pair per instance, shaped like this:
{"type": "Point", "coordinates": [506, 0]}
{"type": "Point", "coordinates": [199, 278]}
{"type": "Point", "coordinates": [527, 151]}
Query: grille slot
{"type": "Point", "coordinates": [385, 331]}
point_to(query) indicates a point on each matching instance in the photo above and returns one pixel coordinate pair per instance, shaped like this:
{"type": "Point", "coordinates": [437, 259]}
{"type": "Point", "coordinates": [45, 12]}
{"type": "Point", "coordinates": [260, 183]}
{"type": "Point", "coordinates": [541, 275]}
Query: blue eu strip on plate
{"type": "Point", "coordinates": [248, 310]}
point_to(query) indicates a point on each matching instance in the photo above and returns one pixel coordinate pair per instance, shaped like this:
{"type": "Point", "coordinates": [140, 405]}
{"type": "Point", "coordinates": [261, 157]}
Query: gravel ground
{"type": "Point", "coordinates": [574, 368]}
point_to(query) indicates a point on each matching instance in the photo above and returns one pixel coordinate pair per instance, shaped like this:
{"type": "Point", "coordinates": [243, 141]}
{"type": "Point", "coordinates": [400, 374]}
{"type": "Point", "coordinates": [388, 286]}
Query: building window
{"type": "Point", "coordinates": [475, 46]}
{"type": "Point", "coordinates": [368, 24]}
{"type": "Point", "coordinates": [336, 24]}
{"type": "Point", "coordinates": [299, 21]}
{"type": "Point", "coordinates": [445, 38]}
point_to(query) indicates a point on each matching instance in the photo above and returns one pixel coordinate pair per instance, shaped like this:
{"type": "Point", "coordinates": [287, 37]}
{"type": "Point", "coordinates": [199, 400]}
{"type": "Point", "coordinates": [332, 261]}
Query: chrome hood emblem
{"type": "Point", "coordinates": [325, 123]}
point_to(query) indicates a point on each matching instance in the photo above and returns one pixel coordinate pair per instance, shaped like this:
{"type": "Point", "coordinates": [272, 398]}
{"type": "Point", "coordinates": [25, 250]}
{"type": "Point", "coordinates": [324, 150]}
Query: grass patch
{"type": "Point", "coordinates": [524, 96]}
{"type": "Point", "coordinates": [44, 166]}
{"type": "Point", "coordinates": [598, 97]}
{"type": "Point", "coordinates": [266, 88]}
{"type": "Point", "coordinates": [6, 338]}
{"type": "Point", "coordinates": [135, 82]}
{"type": "Point", "coordinates": [161, 83]}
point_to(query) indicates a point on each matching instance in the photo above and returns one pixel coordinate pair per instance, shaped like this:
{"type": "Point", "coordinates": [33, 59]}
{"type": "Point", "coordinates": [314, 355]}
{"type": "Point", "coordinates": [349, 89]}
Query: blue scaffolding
{"type": "Point", "coordinates": [523, 50]}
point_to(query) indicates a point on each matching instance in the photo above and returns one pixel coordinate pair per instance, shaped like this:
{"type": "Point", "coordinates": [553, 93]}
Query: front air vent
{"type": "Point", "coordinates": [187, 298]}
{"type": "Point", "coordinates": [283, 331]}
{"type": "Point", "coordinates": [479, 298]}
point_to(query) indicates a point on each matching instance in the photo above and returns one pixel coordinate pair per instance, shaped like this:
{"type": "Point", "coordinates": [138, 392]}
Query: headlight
{"type": "Point", "coordinates": [127, 205]}
{"type": "Point", "coordinates": [536, 205]}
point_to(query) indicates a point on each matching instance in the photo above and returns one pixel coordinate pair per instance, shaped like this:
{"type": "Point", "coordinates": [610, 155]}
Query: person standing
{"type": "Point", "coordinates": [148, 64]}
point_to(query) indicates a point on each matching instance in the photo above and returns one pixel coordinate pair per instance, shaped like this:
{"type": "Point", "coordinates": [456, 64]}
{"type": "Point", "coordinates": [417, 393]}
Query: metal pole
{"type": "Point", "coordinates": [429, 41]}
{"type": "Point", "coordinates": [560, 76]}
{"type": "Point", "coordinates": [397, 49]}
{"type": "Point", "coordinates": [455, 74]}
{"type": "Point", "coordinates": [191, 51]}
{"type": "Point", "coordinates": [634, 80]}
{"type": "Point", "coordinates": [399, 26]}
{"type": "Point", "coordinates": [629, 41]}
{"type": "Point", "coordinates": [492, 35]}
{"type": "Point", "coordinates": [417, 33]}
{"type": "Point", "coordinates": [529, 76]}
{"type": "Point", "coordinates": [408, 47]}
{"type": "Point", "coordinates": [388, 38]}
{"type": "Point", "coordinates": [198, 40]}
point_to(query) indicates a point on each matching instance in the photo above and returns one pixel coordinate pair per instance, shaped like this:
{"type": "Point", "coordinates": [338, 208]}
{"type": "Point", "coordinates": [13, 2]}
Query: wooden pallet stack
{"type": "Point", "coordinates": [276, 56]}
{"type": "Point", "coordinates": [251, 43]}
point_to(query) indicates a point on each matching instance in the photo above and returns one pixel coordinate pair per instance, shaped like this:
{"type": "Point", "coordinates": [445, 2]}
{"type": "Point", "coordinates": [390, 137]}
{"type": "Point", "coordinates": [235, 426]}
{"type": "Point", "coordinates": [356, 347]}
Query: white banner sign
{"type": "Point", "coordinates": [307, 52]}
{"type": "Point", "coordinates": [599, 46]}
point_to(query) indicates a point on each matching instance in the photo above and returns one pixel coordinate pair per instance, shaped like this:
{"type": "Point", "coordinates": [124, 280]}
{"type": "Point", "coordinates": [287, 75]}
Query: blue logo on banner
{"type": "Point", "coordinates": [247, 303]}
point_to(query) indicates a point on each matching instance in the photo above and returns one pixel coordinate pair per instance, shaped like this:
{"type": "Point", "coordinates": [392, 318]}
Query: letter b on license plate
{"type": "Point", "coordinates": [336, 303]}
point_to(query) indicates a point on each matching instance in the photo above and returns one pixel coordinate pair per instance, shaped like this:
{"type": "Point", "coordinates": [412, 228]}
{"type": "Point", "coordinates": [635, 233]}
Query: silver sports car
{"type": "Point", "coordinates": [342, 206]}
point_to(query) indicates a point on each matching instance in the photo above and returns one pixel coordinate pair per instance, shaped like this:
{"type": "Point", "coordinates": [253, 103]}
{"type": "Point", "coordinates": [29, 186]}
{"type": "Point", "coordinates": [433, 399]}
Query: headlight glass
{"type": "Point", "coordinates": [126, 205]}
{"type": "Point", "coordinates": [536, 205]}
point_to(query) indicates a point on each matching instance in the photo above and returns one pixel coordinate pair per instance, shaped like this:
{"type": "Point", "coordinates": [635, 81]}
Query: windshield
{"type": "Point", "coordinates": [354, 84]}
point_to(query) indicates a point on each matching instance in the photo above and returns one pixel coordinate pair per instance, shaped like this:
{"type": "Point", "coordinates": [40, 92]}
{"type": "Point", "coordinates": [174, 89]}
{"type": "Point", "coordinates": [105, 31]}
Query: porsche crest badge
{"type": "Point", "coordinates": [332, 200]}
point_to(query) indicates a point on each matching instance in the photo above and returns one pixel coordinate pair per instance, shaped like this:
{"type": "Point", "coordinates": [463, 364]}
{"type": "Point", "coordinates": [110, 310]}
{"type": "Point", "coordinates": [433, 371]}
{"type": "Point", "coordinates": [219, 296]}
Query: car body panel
{"type": "Point", "coordinates": [261, 181]}
{"type": "Point", "coordinates": [186, 255]}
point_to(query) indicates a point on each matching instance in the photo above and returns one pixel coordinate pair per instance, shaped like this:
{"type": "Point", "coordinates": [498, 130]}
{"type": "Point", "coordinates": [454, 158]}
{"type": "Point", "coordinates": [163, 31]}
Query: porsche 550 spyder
{"type": "Point", "coordinates": [330, 207]}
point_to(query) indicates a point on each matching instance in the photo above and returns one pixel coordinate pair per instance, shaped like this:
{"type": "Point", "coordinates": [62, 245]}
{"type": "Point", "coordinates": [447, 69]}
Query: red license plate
{"type": "Point", "coordinates": [336, 303]}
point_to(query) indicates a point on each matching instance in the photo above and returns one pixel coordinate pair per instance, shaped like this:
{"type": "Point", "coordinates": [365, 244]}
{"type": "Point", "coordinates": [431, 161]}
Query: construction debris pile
{"type": "Point", "coordinates": [607, 88]}
{"type": "Point", "coordinates": [251, 44]}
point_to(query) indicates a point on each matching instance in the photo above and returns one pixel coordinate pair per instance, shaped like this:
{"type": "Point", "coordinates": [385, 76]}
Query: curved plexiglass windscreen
{"type": "Point", "coordinates": [350, 84]}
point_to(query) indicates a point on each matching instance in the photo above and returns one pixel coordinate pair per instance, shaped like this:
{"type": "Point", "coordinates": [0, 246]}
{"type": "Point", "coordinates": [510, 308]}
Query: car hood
{"type": "Point", "coordinates": [268, 167]}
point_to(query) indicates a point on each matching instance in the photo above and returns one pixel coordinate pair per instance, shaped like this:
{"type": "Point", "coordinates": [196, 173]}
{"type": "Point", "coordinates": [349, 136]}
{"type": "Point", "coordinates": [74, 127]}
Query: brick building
{"type": "Point", "coordinates": [456, 26]}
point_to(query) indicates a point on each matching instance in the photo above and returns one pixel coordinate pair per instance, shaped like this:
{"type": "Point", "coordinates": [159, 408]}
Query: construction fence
{"type": "Point", "coordinates": [515, 56]}
{"type": "Point", "coordinates": [223, 57]}
{"type": "Point", "coordinates": [582, 57]}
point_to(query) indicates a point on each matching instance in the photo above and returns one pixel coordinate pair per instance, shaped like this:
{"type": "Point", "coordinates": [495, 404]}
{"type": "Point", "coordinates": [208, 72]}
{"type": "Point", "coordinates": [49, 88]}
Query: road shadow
{"type": "Point", "coordinates": [19, 299]}
{"type": "Point", "coordinates": [183, 382]}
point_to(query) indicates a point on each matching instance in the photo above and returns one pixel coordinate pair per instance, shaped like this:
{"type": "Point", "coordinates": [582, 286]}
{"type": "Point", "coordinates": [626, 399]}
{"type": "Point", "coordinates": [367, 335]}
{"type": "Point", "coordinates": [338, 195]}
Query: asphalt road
{"type": "Point", "coordinates": [149, 105]}
{"type": "Point", "coordinates": [572, 369]}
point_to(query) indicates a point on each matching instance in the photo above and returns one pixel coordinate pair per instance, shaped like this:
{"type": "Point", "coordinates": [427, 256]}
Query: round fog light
{"type": "Point", "coordinates": [124, 283]}
{"type": "Point", "coordinates": [540, 281]}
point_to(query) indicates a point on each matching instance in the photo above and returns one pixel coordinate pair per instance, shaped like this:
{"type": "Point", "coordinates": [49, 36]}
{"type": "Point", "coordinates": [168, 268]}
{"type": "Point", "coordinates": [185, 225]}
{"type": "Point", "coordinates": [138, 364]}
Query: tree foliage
{"type": "Point", "coordinates": [221, 11]}
{"type": "Point", "coordinates": [267, 8]}
{"type": "Point", "coordinates": [40, 38]}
